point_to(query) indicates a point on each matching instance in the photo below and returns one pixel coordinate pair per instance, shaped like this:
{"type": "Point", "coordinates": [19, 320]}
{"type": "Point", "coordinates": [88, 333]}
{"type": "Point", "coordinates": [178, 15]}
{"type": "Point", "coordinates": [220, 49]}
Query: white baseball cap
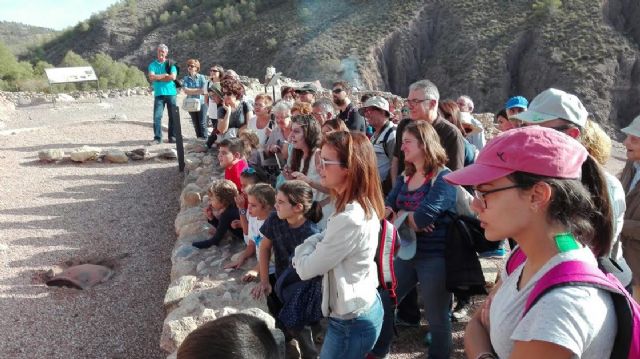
{"type": "Point", "coordinates": [552, 104]}
{"type": "Point", "coordinates": [633, 128]}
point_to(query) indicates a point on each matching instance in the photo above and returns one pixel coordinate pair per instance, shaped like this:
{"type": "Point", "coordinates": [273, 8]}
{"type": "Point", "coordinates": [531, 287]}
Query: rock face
{"type": "Point", "coordinates": [201, 289]}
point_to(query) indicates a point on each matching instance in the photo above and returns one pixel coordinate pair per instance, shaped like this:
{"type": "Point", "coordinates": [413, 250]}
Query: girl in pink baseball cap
{"type": "Point", "coordinates": [541, 188]}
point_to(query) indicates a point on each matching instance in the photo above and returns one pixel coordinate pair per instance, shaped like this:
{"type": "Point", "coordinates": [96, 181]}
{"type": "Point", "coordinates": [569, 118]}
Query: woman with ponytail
{"type": "Point", "coordinates": [541, 188]}
{"type": "Point", "coordinates": [294, 220]}
{"type": "Point", "coordinates": [344, 253]}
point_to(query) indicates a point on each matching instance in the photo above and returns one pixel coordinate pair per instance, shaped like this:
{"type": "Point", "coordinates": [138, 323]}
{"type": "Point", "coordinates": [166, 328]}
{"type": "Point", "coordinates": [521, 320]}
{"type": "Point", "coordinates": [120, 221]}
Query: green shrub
{"type": "Point", "coordinates": [546, 7]}
{"type": "Point", "coordinates": [271, 43]}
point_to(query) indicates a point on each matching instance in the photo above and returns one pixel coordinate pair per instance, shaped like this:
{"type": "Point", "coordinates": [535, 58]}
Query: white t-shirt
{"type": "Point", "coordinates": [252, 124]}
{"type": "Point", "coordinates": [581, 319]}
{"type": "Point", "coordinates": [212, 110]}
{"type": "Point", "coordinates": [254, 235]}
{"type": "Point", "coordinates": [618, 206]}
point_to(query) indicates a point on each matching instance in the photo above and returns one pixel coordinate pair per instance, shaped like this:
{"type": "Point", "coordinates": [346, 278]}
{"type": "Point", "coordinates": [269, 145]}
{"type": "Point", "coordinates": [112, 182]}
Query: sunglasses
{"type": "Point", "coordinates": [192, 66]}
{"type": "Point", "coordinates": [324, 163]}
{"type": "Point", "coordinates": [337, 90]}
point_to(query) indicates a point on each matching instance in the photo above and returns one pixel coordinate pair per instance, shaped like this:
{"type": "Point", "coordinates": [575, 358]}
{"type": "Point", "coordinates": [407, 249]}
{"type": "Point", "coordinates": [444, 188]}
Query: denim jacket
{"type": "Point", "coordinates": [428, 202]}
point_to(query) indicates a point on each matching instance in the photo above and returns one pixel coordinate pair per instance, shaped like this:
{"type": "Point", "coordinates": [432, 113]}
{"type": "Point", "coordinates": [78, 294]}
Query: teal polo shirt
{"type": "Point", "coordinates": [161, 88]}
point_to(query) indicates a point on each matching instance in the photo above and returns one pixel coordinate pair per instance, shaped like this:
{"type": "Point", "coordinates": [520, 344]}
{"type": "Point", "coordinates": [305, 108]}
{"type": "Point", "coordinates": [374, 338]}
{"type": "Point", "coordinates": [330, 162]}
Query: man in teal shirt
{"type": "Point", "coordinates": [164, 91]}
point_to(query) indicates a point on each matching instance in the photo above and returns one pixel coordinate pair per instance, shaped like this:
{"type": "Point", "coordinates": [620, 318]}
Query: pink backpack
{"type": "Point", "coordinates": [572, 273]}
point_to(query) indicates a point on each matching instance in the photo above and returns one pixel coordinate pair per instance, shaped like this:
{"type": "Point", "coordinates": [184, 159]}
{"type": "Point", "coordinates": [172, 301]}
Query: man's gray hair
{"type": "Point", "coordinates": [325, 105]}
{"type": "Point", "coordinates": [281, 106]}
{"type": "Point", "coordinates": [467, 101]}
{"type": "Point", "coordinates": [163, 47]}
{"type": "Point", "coordinates": [427, 87]}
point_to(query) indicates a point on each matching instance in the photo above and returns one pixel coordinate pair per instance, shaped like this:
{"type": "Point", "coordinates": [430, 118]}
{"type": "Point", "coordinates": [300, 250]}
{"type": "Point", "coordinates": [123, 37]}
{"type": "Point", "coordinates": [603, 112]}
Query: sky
{"type": "Point", "coordinates": [54, 14]}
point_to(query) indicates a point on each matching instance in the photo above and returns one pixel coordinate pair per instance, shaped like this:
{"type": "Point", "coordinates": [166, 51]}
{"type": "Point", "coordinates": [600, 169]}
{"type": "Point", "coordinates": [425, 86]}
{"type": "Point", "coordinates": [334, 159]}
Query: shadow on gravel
{"type": "Point", "coordinates": [129, 217]}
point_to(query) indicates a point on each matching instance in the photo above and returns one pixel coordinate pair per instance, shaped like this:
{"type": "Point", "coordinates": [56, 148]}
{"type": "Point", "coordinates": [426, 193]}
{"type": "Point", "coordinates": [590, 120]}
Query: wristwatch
{"type": "Point", "coordinates": [243, 211]}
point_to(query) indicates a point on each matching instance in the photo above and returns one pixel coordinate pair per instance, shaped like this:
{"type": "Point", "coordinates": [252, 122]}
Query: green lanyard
{"type": "Point", "coordinates": [566, 242]}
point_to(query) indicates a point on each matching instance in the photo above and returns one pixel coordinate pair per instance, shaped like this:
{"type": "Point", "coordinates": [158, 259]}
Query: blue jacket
{"type": "Point", "coordinates": [428, 204]}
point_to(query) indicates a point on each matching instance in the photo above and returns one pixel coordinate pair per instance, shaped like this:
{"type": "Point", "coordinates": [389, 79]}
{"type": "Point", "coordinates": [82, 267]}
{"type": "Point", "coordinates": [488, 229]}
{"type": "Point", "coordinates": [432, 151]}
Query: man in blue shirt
{"type": "Point", "coordinates": [164, 91]}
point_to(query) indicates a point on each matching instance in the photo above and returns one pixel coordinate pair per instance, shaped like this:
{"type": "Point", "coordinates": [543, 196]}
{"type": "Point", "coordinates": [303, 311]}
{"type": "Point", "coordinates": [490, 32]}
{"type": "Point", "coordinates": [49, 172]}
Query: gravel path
{"type": "Point", "coordinates": [53, 214]}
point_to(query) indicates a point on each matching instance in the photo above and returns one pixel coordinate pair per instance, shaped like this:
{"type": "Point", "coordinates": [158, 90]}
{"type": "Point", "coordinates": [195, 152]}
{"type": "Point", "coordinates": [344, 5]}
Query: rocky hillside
{"type": "Point", "coordinates": [487, 49]}
{"type": "Point", "coordinates": [18, 37]}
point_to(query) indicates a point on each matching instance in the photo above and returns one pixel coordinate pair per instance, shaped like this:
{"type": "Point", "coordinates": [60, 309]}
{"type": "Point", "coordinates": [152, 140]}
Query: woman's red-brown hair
{"type": "Point", "coordinates": [363, 184]}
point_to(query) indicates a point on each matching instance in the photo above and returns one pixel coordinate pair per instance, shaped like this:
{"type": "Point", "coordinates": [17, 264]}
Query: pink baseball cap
{"type": "Point", "coordinates": [532, 149]}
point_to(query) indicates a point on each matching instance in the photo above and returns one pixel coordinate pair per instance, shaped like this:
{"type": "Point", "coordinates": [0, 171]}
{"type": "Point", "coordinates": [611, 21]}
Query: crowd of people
{"type": "Point", "coordinates": [307, 181]}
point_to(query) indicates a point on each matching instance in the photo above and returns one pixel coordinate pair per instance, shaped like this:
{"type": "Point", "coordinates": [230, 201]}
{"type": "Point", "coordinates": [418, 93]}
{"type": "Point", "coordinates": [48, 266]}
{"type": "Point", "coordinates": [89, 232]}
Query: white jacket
{"type": "Point", "coordinates": [343, 254]}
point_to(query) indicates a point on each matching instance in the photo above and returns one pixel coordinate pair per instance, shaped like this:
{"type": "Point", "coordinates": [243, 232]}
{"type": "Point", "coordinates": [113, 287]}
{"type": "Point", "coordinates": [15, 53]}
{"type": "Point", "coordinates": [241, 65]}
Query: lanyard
{"type": "Point", "coordinates": [566, 242]}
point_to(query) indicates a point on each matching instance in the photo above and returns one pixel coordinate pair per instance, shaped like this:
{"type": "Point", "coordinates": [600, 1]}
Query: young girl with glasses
{"type": "Point", "coordinates": [344, 253]}
{"type": "Point", "coordinates": [541, 188]}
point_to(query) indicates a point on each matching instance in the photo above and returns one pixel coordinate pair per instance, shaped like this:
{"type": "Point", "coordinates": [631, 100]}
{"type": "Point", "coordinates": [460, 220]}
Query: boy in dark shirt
{"type": "Point", "coordinates": [221, 212]}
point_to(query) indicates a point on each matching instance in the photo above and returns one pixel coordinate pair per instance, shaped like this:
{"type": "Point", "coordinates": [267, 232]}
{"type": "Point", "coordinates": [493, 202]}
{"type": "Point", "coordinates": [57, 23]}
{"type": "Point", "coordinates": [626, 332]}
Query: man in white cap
{"type": "Point", "coordinates": [376, 111]}
{"type": "Point", "coordinates": [631, 183]}
{"type": "Point", "coordinates": [565, 112]}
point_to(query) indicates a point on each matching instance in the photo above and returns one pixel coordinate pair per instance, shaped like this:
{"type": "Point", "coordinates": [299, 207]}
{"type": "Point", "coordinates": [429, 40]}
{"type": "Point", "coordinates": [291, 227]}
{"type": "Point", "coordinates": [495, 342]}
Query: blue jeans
{"type": "Point", "coordinates": [199, 120]}
{"type": "Point", "coordinates": [430, 273]}
{"type": "Point", "coordinates": [158, 108]}
{"type": "Point", "coordinates": [353, 338]}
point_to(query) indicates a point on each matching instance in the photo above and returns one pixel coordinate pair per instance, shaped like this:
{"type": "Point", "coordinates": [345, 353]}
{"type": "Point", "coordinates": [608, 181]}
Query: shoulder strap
{"type": "Point", "coordinates": [385, 138]}
{"type": "Point", "coordinates": [516, 259]}
{"type": "Point", "coordinates": [573, 273]}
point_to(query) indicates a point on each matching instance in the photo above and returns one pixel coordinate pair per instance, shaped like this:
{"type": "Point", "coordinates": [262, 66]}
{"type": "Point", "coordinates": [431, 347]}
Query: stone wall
{"type": "Point", "coordinates": [201, 290]}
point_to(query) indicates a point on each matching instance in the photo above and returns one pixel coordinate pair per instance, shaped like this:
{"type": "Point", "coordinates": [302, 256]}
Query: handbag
{"type": "Point", "coordinates": [191, 104]}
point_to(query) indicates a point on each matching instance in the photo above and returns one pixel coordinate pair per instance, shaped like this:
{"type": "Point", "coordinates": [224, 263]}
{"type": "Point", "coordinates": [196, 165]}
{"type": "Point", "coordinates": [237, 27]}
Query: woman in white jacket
{"type": "Point", "coordinates": [344, 253]}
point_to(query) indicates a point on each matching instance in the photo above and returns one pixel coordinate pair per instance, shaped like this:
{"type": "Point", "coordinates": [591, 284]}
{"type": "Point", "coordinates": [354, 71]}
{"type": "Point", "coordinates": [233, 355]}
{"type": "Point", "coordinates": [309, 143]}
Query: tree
{"type": "Point", "coordinates": [546, 7]}
{"type": "Point", "coordinates": [164, 17]}
{"type": "Point", "coordinates": [72, 59]}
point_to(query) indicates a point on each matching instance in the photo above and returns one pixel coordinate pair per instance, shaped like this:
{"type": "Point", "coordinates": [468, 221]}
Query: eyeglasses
{"type": "Point", "coordinates": [337, 90]}
{"type": "Point", "coordinates": [480, 195]}
{"type": "Point", "coordinates": [415, 102]}
{"type": "Point", "coordinates": [324, 163]}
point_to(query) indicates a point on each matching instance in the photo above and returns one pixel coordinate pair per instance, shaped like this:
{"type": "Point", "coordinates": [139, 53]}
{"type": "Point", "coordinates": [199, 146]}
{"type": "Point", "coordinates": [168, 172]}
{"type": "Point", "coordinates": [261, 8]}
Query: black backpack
{"type": "Point", "coordinates": [167, 66]}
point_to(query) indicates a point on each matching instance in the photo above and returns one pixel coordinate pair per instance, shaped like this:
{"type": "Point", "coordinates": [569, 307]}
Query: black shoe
{"type": "Point", "coordinates": [203, 244]}
{"type": "Point", "coordinates": [211, 140]}
{"type": "Point", "coordinates": [172, 140]}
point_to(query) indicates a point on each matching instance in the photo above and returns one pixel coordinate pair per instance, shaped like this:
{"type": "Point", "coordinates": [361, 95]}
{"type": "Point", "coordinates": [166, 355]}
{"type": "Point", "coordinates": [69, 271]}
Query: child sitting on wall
{"type": "Point", "coordinates": [260, 200]}
{"type": "Point", "coordinates": [221, 212]}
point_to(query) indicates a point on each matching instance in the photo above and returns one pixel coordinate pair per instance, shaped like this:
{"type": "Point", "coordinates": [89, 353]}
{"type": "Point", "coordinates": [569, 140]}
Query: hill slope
{"type": "Point", "coordinates": [18, 37]}
{"type": "Point", "coordinates": [487, 49]}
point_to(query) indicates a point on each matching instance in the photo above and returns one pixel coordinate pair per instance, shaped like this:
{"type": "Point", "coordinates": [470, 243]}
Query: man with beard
{"type": "Point", "coordinates": [348, 113]}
